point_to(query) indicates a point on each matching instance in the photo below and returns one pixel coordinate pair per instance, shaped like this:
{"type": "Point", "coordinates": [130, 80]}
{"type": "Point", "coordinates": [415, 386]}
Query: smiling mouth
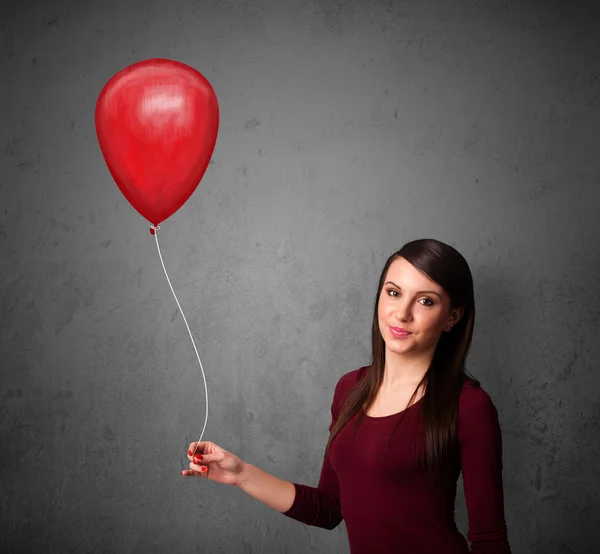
{"type": "Point", "coordinates": [399, 332]}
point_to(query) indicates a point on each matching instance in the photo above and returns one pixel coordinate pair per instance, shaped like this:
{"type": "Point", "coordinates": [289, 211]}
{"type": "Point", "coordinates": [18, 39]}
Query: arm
{"type": "Point", "coordinates": [313, 506]}
{"type": "Point", "coordinates": [318, 506]}
{"type": "Point", "coordinates": [270, 490]}
{"type": "Point", "coordinates": [480, 440]}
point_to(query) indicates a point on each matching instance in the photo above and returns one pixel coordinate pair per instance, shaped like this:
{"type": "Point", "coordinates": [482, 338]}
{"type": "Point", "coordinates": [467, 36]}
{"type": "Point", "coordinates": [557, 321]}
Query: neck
{"type": "Point", "coordinates": [402, 370]}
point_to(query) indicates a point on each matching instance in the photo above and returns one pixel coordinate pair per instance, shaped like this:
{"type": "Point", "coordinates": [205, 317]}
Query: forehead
{"type": "Point", "coordinates": [408, 277]}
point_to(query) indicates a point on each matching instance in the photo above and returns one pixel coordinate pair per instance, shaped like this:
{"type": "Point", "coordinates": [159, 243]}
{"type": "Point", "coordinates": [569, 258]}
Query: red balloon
{"type": "Point", "coordinates": [157, 123]}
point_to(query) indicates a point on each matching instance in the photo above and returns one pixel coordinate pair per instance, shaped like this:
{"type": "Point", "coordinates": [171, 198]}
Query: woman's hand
{"type": "Point", "coordinates": [211, 461]}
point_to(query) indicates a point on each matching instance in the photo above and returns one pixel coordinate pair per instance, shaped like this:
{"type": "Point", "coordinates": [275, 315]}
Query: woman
{"type": "Point", "coordinates": [403, 428]}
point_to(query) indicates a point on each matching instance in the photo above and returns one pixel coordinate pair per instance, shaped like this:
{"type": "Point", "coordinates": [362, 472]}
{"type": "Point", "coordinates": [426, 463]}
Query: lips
{"type": "Point", "coordinates": [399, 331]}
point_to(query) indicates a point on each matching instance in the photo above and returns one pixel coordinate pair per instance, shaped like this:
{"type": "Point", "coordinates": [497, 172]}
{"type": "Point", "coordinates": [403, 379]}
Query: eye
{"type": "Point", "coordinates": [395, 293]}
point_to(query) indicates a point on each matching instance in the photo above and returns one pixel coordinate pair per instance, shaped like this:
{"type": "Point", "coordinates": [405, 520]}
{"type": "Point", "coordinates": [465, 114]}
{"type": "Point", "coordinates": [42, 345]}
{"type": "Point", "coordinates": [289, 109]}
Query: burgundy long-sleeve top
{"type": "Point", "coordinates": [389, 503]}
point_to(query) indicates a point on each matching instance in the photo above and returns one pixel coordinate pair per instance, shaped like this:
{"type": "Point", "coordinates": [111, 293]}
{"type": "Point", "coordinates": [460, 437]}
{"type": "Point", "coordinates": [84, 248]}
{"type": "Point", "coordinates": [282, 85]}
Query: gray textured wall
{"type": "Point", "coordinates": [347, 129]}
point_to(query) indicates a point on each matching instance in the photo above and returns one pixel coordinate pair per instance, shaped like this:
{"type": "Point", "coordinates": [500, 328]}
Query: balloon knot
{"type": "Point", "coordinates": [154, 228]}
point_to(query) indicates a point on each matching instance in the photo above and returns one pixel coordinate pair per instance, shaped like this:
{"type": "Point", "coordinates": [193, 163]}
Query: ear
{"type": "Point", "coordinates": [457, 314]}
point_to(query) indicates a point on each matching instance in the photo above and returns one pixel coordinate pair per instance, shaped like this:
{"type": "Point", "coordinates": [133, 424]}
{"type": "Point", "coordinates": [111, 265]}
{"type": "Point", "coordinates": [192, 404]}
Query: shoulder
{"type": "Point", "coordinates": [346, 382]}
{"type": "Point", "coordinates": [477, 414]}
{"type": "Point", "coordinates": [474, 400]}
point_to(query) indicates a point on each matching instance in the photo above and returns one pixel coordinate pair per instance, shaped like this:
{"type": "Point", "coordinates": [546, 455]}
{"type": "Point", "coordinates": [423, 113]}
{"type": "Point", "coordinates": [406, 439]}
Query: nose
{"type": "Point", "coordinates": [404, 310]}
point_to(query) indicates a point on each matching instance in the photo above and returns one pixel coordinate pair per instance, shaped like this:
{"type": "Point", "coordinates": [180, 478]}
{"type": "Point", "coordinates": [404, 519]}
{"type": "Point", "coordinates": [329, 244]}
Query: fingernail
{"type": "Point", "coordinates": [190, 452]}
{"type": "Point", "coordinates": [203, 468]}
{"type": "Point", "coordinates": [198, 457]}
{"type": "Point", "coordinates": [182, 473]}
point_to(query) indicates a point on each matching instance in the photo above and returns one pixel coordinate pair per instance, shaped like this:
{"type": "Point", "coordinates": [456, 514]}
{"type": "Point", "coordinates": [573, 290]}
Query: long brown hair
{"type": "Point", "coordinates": [446, 374]}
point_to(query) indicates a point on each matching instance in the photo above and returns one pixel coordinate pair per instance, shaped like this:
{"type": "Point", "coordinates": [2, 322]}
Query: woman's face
{"type": "Point", "coordinates": [411, 301]}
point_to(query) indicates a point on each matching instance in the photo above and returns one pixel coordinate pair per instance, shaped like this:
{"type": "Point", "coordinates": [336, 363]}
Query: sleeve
{"type": "Point", "coordinates": [320, 506]}
{"type": "Point", "coordinates": [480, 441]}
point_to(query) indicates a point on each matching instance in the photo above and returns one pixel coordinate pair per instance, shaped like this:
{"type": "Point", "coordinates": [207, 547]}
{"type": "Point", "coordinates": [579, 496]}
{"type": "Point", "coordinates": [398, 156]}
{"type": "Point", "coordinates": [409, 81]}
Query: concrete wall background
{"type": "Point", "coordinates": [347, 129]}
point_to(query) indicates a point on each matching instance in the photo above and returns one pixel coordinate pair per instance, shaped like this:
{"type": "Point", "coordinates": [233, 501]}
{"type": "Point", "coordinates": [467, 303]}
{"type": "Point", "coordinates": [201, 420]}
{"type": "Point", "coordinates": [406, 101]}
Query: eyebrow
{"type": "Point", "coordinates": [420, 292]}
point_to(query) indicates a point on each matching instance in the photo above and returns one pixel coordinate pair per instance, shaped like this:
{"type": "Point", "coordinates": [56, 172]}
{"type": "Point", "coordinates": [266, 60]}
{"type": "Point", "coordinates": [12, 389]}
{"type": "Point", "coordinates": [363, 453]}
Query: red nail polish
{"type": "Point", "coordinates": [189, 452]}
{"type": "Point", "coordinates": [204, 468]}
{"type": "Point", "coordinates": [198, 457]}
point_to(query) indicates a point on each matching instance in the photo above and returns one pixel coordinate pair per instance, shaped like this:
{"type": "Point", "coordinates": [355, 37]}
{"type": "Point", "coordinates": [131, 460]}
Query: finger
{"type": "Point", "coordinates": [201, 469]}
{"type": "Point", "coordinates": [190, 473]}
{"type": "Point", "coordinates": [205, 452]}
{"type": "Point", "coordinates": [207, 458]}
{"type": "Point", "coordinates": [197, 447]}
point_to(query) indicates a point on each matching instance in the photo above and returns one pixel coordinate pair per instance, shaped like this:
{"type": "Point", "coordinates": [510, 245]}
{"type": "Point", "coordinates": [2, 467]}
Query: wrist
{"type": "Point", "coordinates": [243, 475]}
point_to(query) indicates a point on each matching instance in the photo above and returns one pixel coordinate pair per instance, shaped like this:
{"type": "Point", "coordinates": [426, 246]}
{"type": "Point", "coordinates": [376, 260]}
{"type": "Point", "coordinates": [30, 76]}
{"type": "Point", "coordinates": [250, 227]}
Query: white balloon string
{"type": "Point", "coordinates": [155, 228]}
